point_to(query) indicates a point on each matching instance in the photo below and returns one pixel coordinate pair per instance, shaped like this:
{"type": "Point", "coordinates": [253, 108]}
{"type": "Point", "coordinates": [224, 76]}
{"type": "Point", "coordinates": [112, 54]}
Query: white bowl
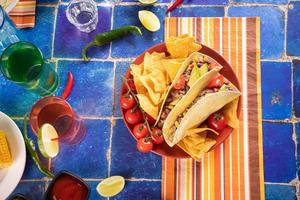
{"type": "Point", "coordinates": [11, 176]}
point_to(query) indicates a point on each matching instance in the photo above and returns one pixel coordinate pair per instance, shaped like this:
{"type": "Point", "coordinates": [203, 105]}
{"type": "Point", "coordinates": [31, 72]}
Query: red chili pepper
{"type": "Point", "coordinates": [68, 87]}
{"type": "Point", "coordinates": [174, 5]}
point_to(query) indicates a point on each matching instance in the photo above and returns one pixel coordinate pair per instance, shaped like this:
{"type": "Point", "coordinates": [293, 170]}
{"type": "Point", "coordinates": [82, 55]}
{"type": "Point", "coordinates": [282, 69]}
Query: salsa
{"type": "Point", "coordinates": [67, 187]}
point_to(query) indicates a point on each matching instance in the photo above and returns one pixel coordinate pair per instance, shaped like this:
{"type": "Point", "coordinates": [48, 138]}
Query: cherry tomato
{"type": "Point", "coordinates": [127, 101]}
{"type": "Point", "coordinates": [217, 121]}
{"type": "Point", "coordinates": [157, 136]}
{"type": "Point", "coordinates": [180, 84]}
{"type": "Point", "coordinates": [144, 145]}
{"type": "Point", "coordinates": [140, 130]}
{"type": "Point", "coordinates": [216, 82]}
{"type": "Point", "coordinates": [131, 84]}
{"type": "Point", "coordinates": [133, 116]}
{"type": "Point", "coordinates": [149, 119]}
{"type": "Point", "coordinates": [213, 65]}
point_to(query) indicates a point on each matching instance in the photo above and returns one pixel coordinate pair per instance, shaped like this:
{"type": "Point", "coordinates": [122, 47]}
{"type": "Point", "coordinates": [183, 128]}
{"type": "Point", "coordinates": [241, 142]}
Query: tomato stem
{"type": "Point", "coordinates": [137, 104]}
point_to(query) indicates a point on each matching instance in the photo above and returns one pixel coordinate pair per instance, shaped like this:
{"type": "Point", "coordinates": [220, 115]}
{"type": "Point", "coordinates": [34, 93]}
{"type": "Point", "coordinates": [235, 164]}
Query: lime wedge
{"type": "Point", "coordinates": [111, 186]}
{"type": "Point", "coordinates": [49, 148]}
{"type": "Point", "coordinates": [149, 20]}
{"type": "Point", "coordinates": [147, 2]}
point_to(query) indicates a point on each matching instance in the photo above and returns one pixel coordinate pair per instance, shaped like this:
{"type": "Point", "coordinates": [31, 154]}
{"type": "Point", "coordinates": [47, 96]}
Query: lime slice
{"type": "Point", "coordinates": [147, 2]}
{"type": "Point", "coordinates": [48, 147]}
{"type": "Point", "coordinates": [149, 20]}
{"type": "Point", "coordinates": [111, 186]}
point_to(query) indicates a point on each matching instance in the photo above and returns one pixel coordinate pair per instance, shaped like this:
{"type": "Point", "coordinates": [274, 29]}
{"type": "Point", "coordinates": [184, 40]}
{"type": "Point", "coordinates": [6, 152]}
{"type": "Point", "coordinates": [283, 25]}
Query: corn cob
{"type": "Point", "coordinates": [5, 157]}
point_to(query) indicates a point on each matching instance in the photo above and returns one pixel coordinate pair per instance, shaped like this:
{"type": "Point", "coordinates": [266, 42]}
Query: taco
{"type": "Point", "coordinates": [211, 94]}
{"type": "Point", "coordinates": [200, 140]}
{"type": "Point", "coordinates": [188, 76]}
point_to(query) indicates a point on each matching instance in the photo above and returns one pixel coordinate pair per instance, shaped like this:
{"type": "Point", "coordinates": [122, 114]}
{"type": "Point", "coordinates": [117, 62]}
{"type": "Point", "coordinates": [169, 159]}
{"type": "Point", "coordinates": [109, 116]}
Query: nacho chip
{"type": "Point", "coordinates": [197, 144]}
{"type": "Point", "coordinates": [181, 46]}
{"type": "Point", "coordinates": [147, 105]}
{"type": "Point", "coordinates": [230, 113]}
{"type": "Point", "coordinates": [149, 85]}
{"type": "Point", "coordinates": [151, 61]}
{"type": "Point", "coordinates": [172, 66]}
{"type": "Point", "coordinates": [158, 77]}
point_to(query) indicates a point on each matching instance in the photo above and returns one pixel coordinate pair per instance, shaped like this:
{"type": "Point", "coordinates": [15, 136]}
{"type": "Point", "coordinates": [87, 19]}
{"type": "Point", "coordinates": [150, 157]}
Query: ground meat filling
{"type": "Point", "coordinates": [204, 92]}
{"type": "Point", "coordinates": [178, 94]}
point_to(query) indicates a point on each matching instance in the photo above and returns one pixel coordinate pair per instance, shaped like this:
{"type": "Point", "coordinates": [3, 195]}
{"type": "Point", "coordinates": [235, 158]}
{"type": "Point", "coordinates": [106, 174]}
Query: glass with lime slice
{"type": "Point", "coordinates": [48, 141]}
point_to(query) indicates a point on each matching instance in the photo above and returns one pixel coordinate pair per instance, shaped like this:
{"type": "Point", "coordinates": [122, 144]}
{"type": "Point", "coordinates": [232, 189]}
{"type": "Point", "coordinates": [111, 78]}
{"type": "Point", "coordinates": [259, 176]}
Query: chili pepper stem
{"type": "Point", "coordinates": [84, 50]}
{"type": "Point", "coordinates": [138, 104]}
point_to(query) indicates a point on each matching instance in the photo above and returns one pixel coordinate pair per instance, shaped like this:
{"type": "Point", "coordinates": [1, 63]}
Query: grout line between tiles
{"type": "Point", "coordinates": [109, 151]}
{"type": "Point", "coordinates": [271, 183]}
{"type": "Point", "coordinates": [54, 30]}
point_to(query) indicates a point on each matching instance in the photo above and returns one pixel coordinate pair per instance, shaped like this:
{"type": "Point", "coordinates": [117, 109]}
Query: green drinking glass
{"type": "Point", "coordinates": [23, 64]}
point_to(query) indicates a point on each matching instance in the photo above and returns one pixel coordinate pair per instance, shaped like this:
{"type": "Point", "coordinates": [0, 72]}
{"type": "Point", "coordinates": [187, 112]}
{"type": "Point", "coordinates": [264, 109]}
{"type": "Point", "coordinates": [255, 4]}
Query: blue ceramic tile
{"type": "Point", "coordinates": [127, 161]}
{"type": "Point", "coordinates": [293, 29]}
{"type": "Point", "coordinates": [206, 2]}
{"type": "Point", "coordinates": [94, 194]}
{"type": "Point", "coordinates": [279, 152]}
{"type": "Point", "coordinates": [32, 190]}
{"type": "Point", "coordinates": [69, 41]}
{"type": "Point", "coordinates": [132, 45]}
{"type": "Point", "coordinates": [92, 92]}
{"type": "Point", "coordinates": [297, 127]}
{"type": "Point", "coordinates": [146, 190]}
{"type": "Point", "coordinates": [14, 99]}
{"type": "Point", "coordinates": [198, 12]}
{"type": "Point", "coordinates": [276, 90]}
{"type": "Point", "coordinates": [88, 158]}
{"type": "Point", "coordinates": [262, 1]}
{"type": "Point", "coordinates": [296, 81]}
{"type": "Point", "coordinates": [31, 171]}
{"type": "Point", "coordinates": [121, 69]}
{"type": "Point", "coordinates": [272, 28]}
{"type": "Point", "coordinates": [42, 34]}
{"type": "Point", "coordinates": [280, 192]}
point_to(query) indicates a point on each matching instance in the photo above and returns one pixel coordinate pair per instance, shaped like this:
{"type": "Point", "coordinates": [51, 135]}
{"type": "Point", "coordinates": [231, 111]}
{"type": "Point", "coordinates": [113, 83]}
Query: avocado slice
{"type": "Point", "coordinates": [203, 69]}
{"type": "Point", "coordinates": [223, 88]}
{"type": "Point", "coordinates": [197, 73]}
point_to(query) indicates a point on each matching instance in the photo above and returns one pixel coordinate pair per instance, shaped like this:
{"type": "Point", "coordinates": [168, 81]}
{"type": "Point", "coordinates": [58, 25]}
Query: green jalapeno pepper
{"type": "Point", "coordinates": [107, 37]}
{"type": "Point", "coordinates": [31, 150]}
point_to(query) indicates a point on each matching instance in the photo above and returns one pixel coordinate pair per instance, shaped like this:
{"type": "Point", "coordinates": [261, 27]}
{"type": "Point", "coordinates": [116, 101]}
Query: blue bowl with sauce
{"type": "Point", "coordinates": [66, 186]}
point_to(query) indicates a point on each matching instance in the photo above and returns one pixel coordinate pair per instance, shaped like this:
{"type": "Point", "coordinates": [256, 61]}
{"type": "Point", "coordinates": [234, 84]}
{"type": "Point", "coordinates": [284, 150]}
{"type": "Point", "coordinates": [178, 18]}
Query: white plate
{"type": "Point", "coordinates": [10, 177]}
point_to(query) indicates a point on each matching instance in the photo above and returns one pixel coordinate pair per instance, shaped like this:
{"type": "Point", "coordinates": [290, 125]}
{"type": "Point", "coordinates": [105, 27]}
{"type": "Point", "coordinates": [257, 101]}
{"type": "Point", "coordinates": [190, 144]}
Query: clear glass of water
{"type": "Point", "coordinates": [83, 14]}
{"type": "Point", "coordinates": [8, 32]}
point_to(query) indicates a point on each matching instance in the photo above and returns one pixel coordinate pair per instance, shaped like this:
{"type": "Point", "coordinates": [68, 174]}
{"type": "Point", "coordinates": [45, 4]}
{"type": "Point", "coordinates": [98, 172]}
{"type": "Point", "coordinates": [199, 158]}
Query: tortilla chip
{"type": "Point", "coordinates": [200, 130]}
{"type": "Point", "coordinates": [230, 113]}
{"type": "Point", "coordinates": [149, 85]}
{"type": "Point", "coordinates": [172, 66]}
{"type": "Point", "coordinates": [181, 46]}
{"type": "Point", "coordinates": [147, 105]}
{"type": "Point", "coordinates": [196, 142]}
{"type": "Point", "coordinates": [159, 79]}
{"type": "Point", "coordinates": [151, 61]}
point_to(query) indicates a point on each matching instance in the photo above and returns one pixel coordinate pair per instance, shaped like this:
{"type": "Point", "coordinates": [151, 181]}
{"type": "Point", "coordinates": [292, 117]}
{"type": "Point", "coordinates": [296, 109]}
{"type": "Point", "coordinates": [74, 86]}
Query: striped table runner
{"type": "Point", "coordinates": [234, 170]}
{"type": "Point", "coordinates": [23, 15]}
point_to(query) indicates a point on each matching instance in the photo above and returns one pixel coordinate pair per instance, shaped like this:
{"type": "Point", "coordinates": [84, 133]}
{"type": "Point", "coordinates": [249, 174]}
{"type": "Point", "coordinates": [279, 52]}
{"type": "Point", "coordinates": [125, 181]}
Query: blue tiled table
{"type": "Point", "coordinates": [107, 149]}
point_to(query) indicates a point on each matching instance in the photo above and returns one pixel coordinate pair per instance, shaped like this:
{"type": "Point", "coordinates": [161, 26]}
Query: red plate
{"type": "Point", "coordinates": [176, 152]}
